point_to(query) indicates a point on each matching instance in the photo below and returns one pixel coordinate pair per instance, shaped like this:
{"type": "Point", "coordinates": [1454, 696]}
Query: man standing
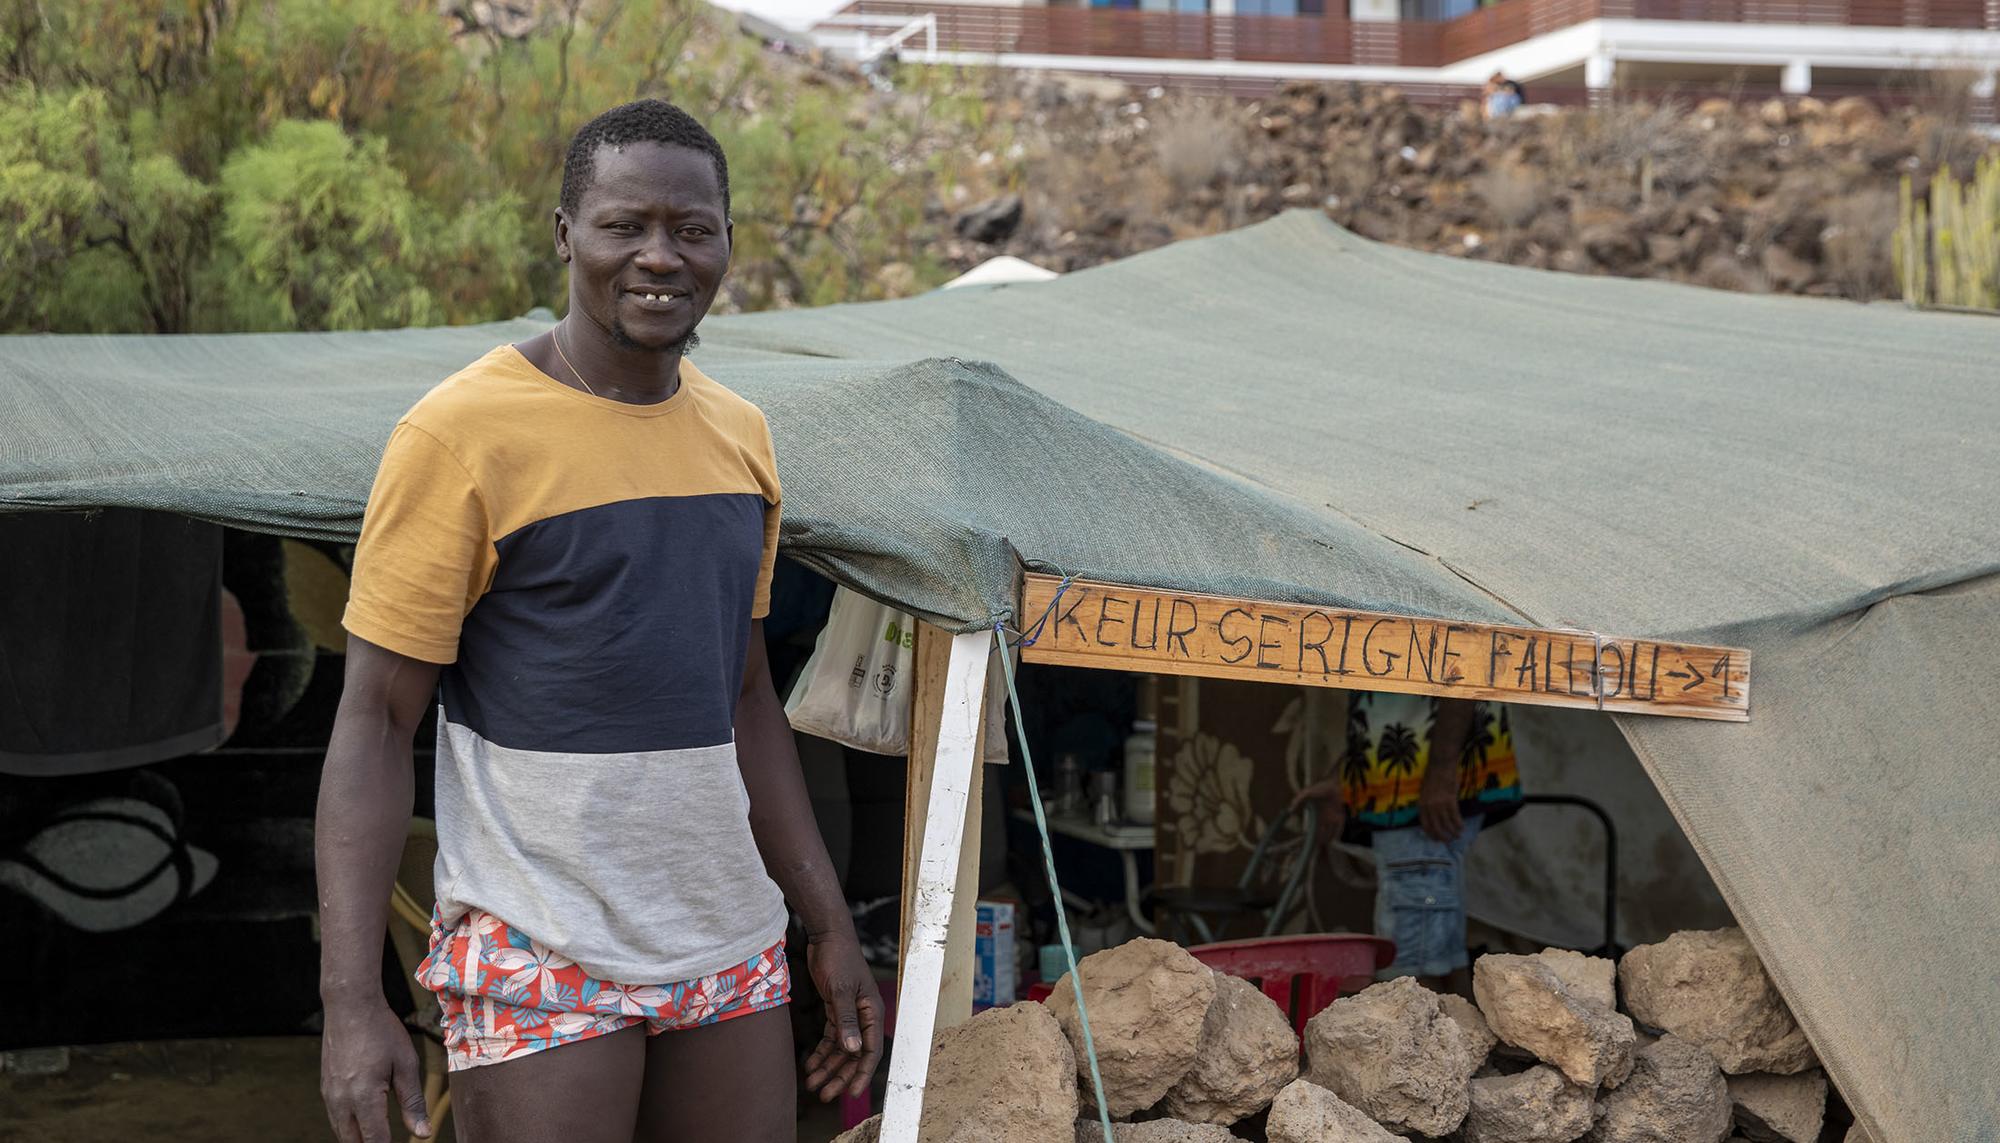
{"type": "Point", "coordinates": [1419, 779]}
{"type": "Point", "coordinates": [570, 545]}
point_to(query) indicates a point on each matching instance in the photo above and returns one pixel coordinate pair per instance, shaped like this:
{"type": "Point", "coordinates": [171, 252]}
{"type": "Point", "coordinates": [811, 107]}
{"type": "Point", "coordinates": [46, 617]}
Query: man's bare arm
{"type": "Point", "coordinates": [1437, 802]}
{"type": "Point", "coordinates": [366, 792]}
{"type": "Point", "coordinates": [788, 838]}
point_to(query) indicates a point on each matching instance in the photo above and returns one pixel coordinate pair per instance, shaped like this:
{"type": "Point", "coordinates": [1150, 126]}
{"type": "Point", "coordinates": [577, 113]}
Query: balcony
{"type": "Point", "coordinates": [1334, 39]}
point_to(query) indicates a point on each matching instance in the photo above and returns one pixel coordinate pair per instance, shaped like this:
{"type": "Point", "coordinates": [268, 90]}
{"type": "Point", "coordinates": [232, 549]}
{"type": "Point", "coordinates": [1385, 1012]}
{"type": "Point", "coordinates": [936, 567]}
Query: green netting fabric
{"type": "Point", "coordinates": [1291, 412]}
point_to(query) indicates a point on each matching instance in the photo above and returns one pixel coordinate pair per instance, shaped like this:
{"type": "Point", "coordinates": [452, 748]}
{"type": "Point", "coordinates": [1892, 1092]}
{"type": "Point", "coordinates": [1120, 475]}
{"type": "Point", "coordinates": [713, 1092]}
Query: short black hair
{"type": "Point", "coordinates": [643, 121]}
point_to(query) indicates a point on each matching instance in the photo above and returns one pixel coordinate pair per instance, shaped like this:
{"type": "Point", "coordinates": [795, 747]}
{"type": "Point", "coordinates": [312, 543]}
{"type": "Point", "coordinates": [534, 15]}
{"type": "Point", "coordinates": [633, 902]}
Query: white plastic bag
{"type": "Point", "coordinates": [855, 688]}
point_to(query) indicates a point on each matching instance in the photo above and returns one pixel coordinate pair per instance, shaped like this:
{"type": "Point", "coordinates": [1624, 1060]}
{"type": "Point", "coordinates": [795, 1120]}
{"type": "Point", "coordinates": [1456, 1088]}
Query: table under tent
{"type": "Point", "coordinates": [1291, 415]}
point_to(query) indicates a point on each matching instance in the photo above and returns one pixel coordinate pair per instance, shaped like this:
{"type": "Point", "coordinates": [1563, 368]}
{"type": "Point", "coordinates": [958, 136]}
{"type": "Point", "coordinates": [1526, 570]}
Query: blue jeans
{"type": "Point", "coordinates": [1420, 898]}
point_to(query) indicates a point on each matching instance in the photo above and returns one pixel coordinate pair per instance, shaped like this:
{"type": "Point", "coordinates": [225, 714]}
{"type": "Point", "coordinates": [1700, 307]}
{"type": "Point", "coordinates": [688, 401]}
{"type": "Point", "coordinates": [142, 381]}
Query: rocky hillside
{"type": "Point", "coordinates": [1797, 197]}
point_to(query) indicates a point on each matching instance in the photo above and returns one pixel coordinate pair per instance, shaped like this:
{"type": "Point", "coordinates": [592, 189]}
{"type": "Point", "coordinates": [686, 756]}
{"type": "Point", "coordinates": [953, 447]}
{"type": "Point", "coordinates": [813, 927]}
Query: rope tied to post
{"type": "Point", "coordinates": [1048, 849]}
{"type": "Point", "coordinates": [1029, 637]}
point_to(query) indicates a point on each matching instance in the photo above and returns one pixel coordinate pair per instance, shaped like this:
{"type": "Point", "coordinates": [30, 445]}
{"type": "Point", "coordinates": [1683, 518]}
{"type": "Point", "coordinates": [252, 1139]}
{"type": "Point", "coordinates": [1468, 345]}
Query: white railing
{"type": "Point", "coordinates": [866, 48]}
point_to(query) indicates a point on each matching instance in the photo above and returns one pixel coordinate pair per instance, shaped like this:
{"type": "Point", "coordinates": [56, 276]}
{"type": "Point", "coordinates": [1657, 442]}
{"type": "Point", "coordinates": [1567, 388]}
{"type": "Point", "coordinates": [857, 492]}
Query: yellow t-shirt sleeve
{"type": "Point", "coordinates": [760, 605]}
{"type": "Point", "coordinates": [426, 551]}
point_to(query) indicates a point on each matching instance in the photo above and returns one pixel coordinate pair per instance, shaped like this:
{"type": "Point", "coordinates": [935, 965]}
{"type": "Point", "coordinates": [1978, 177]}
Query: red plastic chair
{"type": "Point", "coordinates": [1303, 974]}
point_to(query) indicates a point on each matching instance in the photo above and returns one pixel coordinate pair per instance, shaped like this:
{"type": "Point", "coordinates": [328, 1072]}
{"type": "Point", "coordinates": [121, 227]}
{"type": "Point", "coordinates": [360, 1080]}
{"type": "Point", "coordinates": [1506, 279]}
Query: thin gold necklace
{"type": "Point", "coordinates": [555, 336]}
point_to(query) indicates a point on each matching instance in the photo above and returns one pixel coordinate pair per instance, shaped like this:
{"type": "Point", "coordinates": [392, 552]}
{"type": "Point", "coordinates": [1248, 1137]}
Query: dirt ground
{"type": "Point", "coordinates": [198, 1091]}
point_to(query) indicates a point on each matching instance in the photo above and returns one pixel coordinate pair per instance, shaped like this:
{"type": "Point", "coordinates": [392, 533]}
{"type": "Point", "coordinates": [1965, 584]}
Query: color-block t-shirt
{"type": "Point", "coordinates": [588, 571]}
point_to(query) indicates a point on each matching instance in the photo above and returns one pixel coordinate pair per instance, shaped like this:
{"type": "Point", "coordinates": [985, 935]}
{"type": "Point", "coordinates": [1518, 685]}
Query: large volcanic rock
{"type": "Point", "coordinates": [1710, 989]}
{"type": "Point", "coordinates": [1148, 1001]}
{"type": "Point", "coordinates": [1246, 1056]}
{"type": "Point", "coordinates": [1391, 1051]}
{"type": "Point", "coordinates": [1529, 1004]}
{"type": "Point", "coordinates": [1675, 1094]}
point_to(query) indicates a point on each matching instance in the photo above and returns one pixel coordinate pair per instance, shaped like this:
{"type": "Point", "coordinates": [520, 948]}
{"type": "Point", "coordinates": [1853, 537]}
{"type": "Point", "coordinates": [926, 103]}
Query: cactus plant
{"type": "Point", "coordinates": [1947, 251]}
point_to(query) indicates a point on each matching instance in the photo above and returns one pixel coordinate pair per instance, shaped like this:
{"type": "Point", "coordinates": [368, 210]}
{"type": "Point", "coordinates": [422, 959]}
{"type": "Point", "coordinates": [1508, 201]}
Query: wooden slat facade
{"type": "Point", "coordinates": [1333, 39]}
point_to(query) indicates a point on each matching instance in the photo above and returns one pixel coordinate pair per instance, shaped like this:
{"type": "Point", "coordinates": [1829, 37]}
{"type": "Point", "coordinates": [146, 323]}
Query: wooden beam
{"type": "Point", "coordinates": [931, 660]}
{"type": "Point", "coordinates": [961, 959]}
{"type": "Point", "coordinates": [956, 770]}
{"type": "Point", "coordinates": [1128, 628]}
{"type": "Point", "coordinates": [932, 656]}
{"type": "Point", "coordinates": [962, 937]}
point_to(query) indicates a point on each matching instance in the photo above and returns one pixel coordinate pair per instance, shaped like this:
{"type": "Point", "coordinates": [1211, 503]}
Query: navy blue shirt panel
{"type": "Point", "coordinates": [614, 629]}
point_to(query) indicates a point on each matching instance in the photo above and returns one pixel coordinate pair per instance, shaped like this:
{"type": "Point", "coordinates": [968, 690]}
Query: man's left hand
{"type": "Point", "coordinates": [844, 1062]}
{"type": "Point", "coordinates": [1437, 805]}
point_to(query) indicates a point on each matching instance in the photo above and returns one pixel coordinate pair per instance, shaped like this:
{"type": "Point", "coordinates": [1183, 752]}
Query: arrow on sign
{"type": "Point", "coordinates": [1695, 677]}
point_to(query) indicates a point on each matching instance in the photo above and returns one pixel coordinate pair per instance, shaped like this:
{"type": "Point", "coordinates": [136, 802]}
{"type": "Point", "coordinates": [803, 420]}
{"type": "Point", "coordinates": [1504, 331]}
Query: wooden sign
{"type": "Point", "coordinates": [1118, 627]}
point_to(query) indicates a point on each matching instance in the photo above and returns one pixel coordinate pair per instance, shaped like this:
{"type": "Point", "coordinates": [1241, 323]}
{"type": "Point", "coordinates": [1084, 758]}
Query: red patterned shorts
{"type": "Point", "coordinates": [506, 994]}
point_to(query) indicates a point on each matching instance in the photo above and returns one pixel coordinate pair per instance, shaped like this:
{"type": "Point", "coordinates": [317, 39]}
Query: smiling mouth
{"type": "Point", "coordinates": [660, 303]}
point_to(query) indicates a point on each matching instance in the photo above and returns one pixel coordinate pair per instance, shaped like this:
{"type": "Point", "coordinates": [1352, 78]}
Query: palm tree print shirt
{"type": "Point", "coordinates": [1389, 751]}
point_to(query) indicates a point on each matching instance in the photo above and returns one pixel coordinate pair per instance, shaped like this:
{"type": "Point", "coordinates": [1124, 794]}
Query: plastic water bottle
{"type": "Point", "coordinates": [1140, 749]}
{"type": "Point", "coordinates": [1069, 785]}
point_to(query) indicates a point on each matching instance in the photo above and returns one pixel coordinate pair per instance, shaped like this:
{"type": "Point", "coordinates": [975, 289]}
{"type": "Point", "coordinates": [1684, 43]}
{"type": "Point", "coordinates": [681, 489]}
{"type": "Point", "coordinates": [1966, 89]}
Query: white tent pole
{"type": "Point", "coordinates": [937, 882]}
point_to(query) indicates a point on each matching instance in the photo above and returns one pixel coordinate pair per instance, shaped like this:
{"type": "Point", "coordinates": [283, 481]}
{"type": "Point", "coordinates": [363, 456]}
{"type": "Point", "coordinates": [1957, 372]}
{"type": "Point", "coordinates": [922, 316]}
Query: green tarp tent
{"type": "Point", "coordinates": [1291, 412]}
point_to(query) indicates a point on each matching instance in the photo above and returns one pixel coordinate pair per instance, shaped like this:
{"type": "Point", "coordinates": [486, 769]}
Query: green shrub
{"type": "Point", "coordinates": [182, 165]}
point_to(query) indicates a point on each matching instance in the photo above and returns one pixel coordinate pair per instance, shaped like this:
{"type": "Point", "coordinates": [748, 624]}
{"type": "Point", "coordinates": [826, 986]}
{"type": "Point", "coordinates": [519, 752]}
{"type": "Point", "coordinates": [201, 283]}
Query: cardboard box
{"type": "Point", "coordinates": [993, 972]}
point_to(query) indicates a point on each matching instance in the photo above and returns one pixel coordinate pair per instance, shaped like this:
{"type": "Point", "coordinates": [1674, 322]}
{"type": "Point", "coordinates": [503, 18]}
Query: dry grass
{"type": "Point", "coordinates": [1944, 95]}
{"type": "Point", "coordinates": [1857, 244]}
{"type": "Point", "coordinates": [1661, 146]}
{"type": "Point", "coordinates": [1197, 142]}
{"type": "Point", "coordinates": [1512, 192]}
{"type": "Point", "coordinates": [1350, 174]}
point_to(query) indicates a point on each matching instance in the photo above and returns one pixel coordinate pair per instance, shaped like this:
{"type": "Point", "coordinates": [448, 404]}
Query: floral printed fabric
{"type": "Point", "coordinates": [506, 994]}
{"type": "Point", "coordinates": [1208, 795]}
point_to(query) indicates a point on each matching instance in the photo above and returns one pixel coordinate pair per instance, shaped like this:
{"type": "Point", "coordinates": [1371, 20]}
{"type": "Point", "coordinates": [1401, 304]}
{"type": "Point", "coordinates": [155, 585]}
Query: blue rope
{"type": "Point", "coordinates": [1049, 857]}
{"type": "Point", "coordinates": [1029, 636]}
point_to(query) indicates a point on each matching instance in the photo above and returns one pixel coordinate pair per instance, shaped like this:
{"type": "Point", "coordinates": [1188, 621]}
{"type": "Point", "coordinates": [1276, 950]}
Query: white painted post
{"type": "Point", "coordinates": [1222, 29]}
{"type": "Point", "coordinates": [1599, 69]}
{"type": "Point", "coordinates": [937, 880]}
{"type": "Point", "coordinates": [1796, 79]}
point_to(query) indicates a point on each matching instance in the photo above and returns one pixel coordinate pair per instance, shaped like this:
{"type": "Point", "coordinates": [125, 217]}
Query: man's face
{"type": "Point", "coordinates": [648, 245]}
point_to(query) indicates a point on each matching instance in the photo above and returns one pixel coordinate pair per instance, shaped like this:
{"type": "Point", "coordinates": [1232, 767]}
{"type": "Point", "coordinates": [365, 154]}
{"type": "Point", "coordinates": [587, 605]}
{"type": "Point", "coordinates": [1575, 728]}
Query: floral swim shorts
{"type": "Point", "coordinates": [506, 994]}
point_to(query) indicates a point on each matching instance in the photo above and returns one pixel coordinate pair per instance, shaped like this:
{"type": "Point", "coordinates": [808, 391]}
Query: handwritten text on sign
{"type": "Point", "coordinates": [1139, 629]}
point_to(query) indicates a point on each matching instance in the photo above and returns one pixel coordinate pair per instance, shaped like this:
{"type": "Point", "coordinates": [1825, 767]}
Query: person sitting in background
{"type": "Point", "coordinates": [1420, 778]}
{"type": "Point", "coordinates": [1500, 97]}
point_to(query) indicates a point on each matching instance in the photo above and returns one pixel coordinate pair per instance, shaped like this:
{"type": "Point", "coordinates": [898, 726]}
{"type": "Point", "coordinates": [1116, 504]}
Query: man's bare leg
{"type": "Point", "coordinates": [585, 1092]}
{"type": "Point", "coordinates": [732, 1082]}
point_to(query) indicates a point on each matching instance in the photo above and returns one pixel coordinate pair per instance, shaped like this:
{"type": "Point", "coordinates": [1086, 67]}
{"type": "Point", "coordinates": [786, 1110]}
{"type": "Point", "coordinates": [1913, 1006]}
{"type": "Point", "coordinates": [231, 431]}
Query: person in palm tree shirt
{"type": "Point", "coordinates": [1420, 777]}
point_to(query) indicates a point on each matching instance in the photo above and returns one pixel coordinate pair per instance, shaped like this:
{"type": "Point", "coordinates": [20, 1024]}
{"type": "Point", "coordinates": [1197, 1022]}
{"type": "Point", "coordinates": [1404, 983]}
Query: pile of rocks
{"type": "Point", "coordinates": [1790, 196]}
{"type": "Point", "coordinates": [1703, 1048]}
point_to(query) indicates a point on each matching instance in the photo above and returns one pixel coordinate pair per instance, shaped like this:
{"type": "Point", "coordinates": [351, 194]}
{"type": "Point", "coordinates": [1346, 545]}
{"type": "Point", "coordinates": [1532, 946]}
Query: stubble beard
{"type": "Point", "coordinates": [625, 340]}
